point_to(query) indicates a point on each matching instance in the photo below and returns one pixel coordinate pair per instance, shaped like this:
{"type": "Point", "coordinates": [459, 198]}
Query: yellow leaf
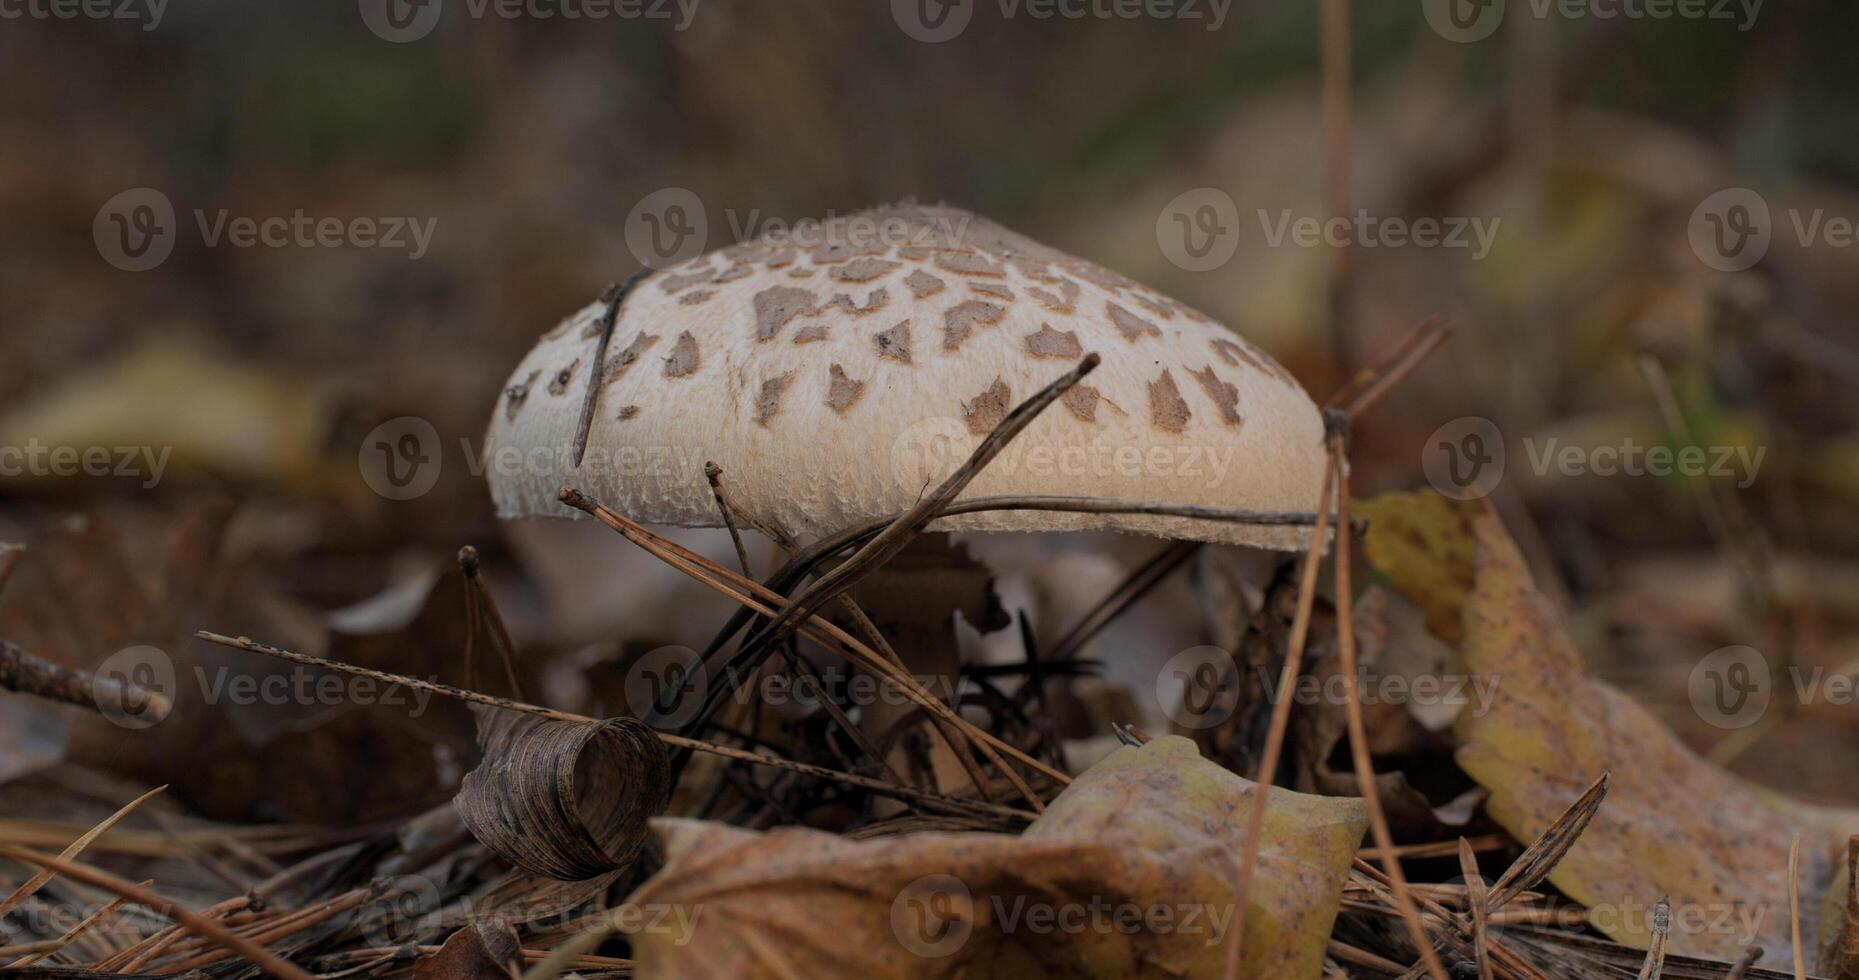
{"type": "Point", "coordinates": [1673, 826]}
{"type": "Point", "coordinates": [1420, 541]}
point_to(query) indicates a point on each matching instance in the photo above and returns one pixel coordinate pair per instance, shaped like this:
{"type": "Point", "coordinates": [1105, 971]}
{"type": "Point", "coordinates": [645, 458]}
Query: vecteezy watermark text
{"type": "Point", "coordinates": [1732, 687]}
{"type": "Point", "coordinates": [154, 671]}
{"type": "Point", "coordinates": [1466, 21]}
{"type": "Point", "coordinates": [137, 230]}
{"type": "Point", "coordinates": [402, 21]}
{"type": "Point", "coordinates": [148, 12]}
{"type": "Point", "coordinates": [672, 224]}
{"type": "Point", "coordinates": [1732, 229]}
{"type": "Point", "coordinates": [1466, 458]}
{"type": "Point", "coordinates": [1200, 687]}
{"type": "Point", "coordinates": [1199, 230]}
{"type": "Point", "coordinates": [934, 916]}
{"type": "Point", "coordinates": [935, 21]}
{"type": "Point", "coordinates": [38, 459]}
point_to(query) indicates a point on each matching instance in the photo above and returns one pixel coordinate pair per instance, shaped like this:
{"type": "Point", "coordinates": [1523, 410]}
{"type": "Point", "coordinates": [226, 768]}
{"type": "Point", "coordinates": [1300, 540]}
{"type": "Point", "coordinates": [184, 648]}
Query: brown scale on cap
{"type": "Point", "coordinates": [895, 342]}
{"type": "Point", "coordinates": [1048, 342]}
{"type": "Point", "coordinates": [684, 280]}
{"type": "Point", "coordinates": [777, 305]}
{"type": "Point", "coordinates": [811, 333]}
{"type": "Point", "coordinates": [992, 290]}
{"type": "Point", "coordinates": [842, 392]}
{"type": "Point", "coordinates": [1154, 305]}
{"type": "Point", "coordinates": [1131, 326]}
{"type": "Point", "coordinates": [968, 263]}
{"type": "Point", "coordinates": [1063, 301]}
{"type": "Point", "coordinates": [1167, 409]}
{"type": "Point", "coordinates": [988, 408]}
{"type": "Point", "coordinates": [684, 358]}
{"type": "Point", "coordinates": [959, 321]}
{"type": "Point", "coordinates": [696, 297]}
{"type": "Point", "coordinates": [1236, 352]}
{"type": "Point", "coordinates": [768, 401]}
{"type": "Point", "coordinates": [923, 284]}
{"type": "Point", "coordinates": [1081, 401]}
{"type": "Point", "coordinates": [558, 385]}
{"type": "Point", "coordinates": [874, 302]}
{"type": "Point", "coordinates": [863, 269]}
{"type": "Point", "coordinates": [517, 394]}
{"type": "Point", "coordinates": [628, 412]}
{"type": "Point", "coordinates": [1224, 394]}
{"type": "Point", "coordinates": [624, 361]}
{"type": "Point", "coordinates": [732, 274]}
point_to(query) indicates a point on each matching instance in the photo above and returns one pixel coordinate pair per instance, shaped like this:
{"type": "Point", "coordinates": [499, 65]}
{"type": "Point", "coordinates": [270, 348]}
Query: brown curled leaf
{"type": "Point", "coordinates": [566, 800]}
{"type": "Point", "coordinates": [482, 949]}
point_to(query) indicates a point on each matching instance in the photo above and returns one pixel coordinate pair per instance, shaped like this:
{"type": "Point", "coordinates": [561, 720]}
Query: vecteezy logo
{"type": "Point", "coordinates": [135, 230]}
{"type": "Point", "coordinates": [932, 21]}
{"type": "Point", "coordinates": [933, 916]}
{"type": "Point", "coordinates": [131, 674]}
{"type": "Point", "coordinates": [1463, 21]}
{"type": "Point", "coordinates": [667, 227]}
{"type": "Point", "coordinates": [393, 917]}
{"type": "Point", "coordinates": [1730, 230]}
{"type": "Point", "coordinates": [1730, 688]}
{"type": "Point", "coordinates": [402, 459]}
{"type": "Point", "coordinates": [1198, 687]}
{"type": "Point", "coordinates": [400, 21]}
{"type": "Point", "coordinates": [666, 687]}
{"type": "Point", "coordinates": [1464, 459]}
{"type": "Point", "coordinates": [1199, 229]}
{"type": "Point", "coordinates": [928, 450]}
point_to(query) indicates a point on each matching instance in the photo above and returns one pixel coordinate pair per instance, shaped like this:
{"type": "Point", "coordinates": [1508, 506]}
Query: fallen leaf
{"type": "Point", "coordinates": [563, 799]}
{"type": "Point", "coordinates": [1839, 920]}
{"type": "Point", "coordinates": [1419, 541]}
{"type": "Point", "coordinates": [1128, 874]}
{"type": "Point", "coordinates": [482, 949]}
{"type": "Point", "coordinates": [1673, 825]}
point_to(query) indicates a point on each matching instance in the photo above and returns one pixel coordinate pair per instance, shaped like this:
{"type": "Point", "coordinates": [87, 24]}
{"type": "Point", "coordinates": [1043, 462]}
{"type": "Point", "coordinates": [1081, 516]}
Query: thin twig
{"type": "Point", "coordinates": [481, 613]}
{"type": "Point", "coordinates": [1475, 897]}
{"type": "Point", "coordinates": [75, 848]}
{"type": "Point", "coordinates": [1794, 907]}
{"type": "Point", "coordinates": [1138, 584]}
{"type": "Point", "coordinates": [763, 601]}
{"type": "Point", "coordinates": [10, 555]}
{"type": "Point", "coordinates": [714, 474]}
{"type": "Point", "coordinates": [260, 957]}
{"type": "Point", "coordinates": [1420, 344]}
{"type": "Point", "coordinates": [28, 674]}
{"type": "Point", "coordinates": [910, 523]}
{"type": "Point", "coordinates": [1741, 967]}
{"type": "Point", "coordinates": [1655, 950]}
{"type": "Point", "coordinates": [614, 296]}
{"type": "Point", "coordinates": [1336, 50]}
{"type": "Point", "coordinates": [1275, 736]}
{"type": "Point", "coordinates": [730, 509]}
{"type": "Point", "coordinates": [71, 935]}
{"type": "Point", "coordinates": [1358, 732]}
{"type": "Point", "coordinates": [459, 694]}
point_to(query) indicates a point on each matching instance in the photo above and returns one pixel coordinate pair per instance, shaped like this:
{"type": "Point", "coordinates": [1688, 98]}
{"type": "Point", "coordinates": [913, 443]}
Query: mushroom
{"type": "Point", "coordinates": [838, 371]}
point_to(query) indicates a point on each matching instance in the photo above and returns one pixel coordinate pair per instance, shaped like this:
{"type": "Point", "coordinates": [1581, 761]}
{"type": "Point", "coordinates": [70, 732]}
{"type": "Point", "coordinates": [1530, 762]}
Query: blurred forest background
{"type": "Point", "coordinates": [528, 142]}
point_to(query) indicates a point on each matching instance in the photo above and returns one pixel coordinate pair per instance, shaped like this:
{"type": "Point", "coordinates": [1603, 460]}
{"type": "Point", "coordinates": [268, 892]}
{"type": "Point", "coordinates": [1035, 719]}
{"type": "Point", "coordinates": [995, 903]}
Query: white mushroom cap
{"type": "Point", "coordinates": [837, 372]}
